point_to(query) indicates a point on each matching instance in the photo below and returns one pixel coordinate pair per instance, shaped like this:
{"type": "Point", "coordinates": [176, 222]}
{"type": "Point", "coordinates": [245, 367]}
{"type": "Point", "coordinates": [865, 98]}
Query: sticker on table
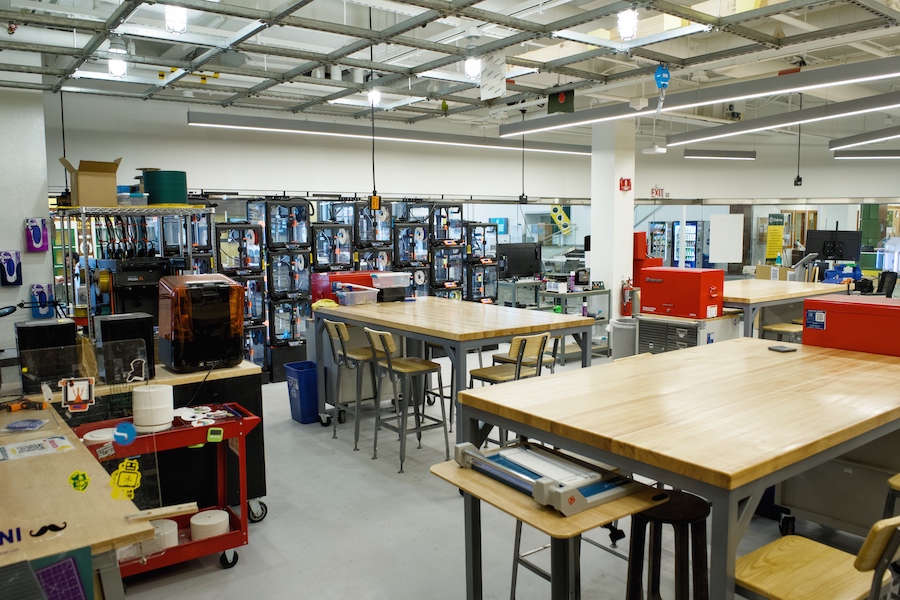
{"type": "Point", "coordinates": [58, 443]}
{"type": "Point", "coordinates": [106, 451]}
{"type": "Point", "coordinates": [77, 393]}
{"type": "Point", "coordinates": [815, 319]}
{"type": "Point", "coordinates": [45, 528]}
{"type": "Point", "coordinates": [124, 433]}
{"type": "Point", "coordinates": [79, 480]}
{"type": "Point", "coordinates": [125, 480]}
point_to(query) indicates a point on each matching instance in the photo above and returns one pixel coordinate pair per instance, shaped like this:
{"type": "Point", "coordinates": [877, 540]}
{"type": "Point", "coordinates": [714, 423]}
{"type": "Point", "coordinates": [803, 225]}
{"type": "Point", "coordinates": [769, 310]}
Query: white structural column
{"type": "Point", "coordinates": [612, 210]}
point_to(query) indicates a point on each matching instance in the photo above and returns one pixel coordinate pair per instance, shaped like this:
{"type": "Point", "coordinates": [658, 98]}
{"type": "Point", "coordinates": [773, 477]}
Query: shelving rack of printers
{"type": "Point", "coordinates": [80, 225]}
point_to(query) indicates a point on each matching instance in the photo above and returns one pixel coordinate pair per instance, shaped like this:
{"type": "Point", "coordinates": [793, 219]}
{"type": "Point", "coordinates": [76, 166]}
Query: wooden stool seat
{"type": "Point", "coordinates": [892, 494]}
{"type": "Point", "coordinates": [501, 373]}
{"type": "Point", "coordinates": [412, 365]}
{"type": "Point", "coordinates": [359, 354]}
{"type": "Point", "coordinates": [687, 514]}
{"type": "Point", "coordinates": [894, 482]}
{"type": "Point", "coordinates": [806, 570]}
{"type": "Point", "coordinates": [782, 329]}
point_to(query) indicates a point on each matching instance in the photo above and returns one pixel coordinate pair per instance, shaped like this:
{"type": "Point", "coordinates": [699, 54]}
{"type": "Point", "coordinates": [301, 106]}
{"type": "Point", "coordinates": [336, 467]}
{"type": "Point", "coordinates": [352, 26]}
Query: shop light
{"type": "Point", "coordinates": [873, 70]}
{"type": "Point", "coordinates": [117, 66]}
{"type": "Point", "coordinates": [720, 154]}
{"type": "Point", "coordinates": [394, 135]}
{"type": "Point", "coordinates": [176, 19]}
{"type": "Point", "coordinates": [627, 24]}
{"type": "Point", "coordinates": [472, 68]}
{"type": "Point", "coordinates": [374, 97]}
{"type": "Point", "coordinates": [867, 155]}
{"type": "Point", "coordinates": [870, 137]}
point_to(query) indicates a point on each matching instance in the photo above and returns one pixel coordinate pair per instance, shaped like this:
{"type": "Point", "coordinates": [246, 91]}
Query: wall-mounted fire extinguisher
{"type": "Point", "coordinates": [627, 296]}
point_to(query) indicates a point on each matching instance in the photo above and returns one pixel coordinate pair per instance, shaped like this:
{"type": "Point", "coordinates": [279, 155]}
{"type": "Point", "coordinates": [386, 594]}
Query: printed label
{"type": "Point", "coordinates": [815, 319]}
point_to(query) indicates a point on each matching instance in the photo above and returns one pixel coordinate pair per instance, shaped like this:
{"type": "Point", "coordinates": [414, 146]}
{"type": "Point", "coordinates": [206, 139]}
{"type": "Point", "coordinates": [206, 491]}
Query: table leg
{"type": "Point", "coordinates": [319, 333]}
{"type": "Point", "coordinates": [564, 568]}
{"type": "Point", "coordinates": [458, 357]}
{"type": "Point", "coordinates": [107, 566]}
{"type": "Point", "coordinates": [749, 316]}
{"type": "Point", "coordinates": [731, 515]}
{"type": "Point", "coordinates": [467, 430]}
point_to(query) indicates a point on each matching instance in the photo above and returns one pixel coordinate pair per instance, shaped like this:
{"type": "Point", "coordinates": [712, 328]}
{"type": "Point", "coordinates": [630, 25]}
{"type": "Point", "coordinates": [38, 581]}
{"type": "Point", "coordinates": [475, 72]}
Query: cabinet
{"type": "Point", "coordinates": [658, 334]}
{"type": "Point", "coordinates": [572, 303]}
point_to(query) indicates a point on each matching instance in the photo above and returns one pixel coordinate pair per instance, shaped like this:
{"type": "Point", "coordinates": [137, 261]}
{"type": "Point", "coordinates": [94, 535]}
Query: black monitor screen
{"type": "Point", "coordinates": [519, 260]}
{"type": "Point", "coordinates": [834, 245]}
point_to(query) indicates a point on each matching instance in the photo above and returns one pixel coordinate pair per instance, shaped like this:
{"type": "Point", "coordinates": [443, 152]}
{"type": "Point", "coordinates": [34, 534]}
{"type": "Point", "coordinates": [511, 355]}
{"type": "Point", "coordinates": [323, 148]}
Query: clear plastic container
{"type": "Point", "coordinates": [350, 294]}
{"type": "Point", "coordinates": [390, 279]}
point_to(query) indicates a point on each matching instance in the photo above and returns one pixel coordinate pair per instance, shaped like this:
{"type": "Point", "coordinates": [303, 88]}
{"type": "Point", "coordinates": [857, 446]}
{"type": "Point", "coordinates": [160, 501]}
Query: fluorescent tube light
{"type": "Point", "coordinates": [867, 155]}
{"type": "Point", "coordinates": [391, 135]}
{"type": "Point", "coordinates": [808, 115]}
{"type": "Point", "coordinates": [720, 154]}
{"type": "Point", "coordinates": [870, 137]}
{"type": "Point", "coordinates": [872, 70]}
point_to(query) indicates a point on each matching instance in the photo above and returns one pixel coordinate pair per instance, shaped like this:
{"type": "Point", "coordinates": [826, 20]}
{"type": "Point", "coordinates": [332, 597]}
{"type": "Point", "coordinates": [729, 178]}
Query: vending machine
{"type": "Point", "coordinates": [659, 241]}
{"type": "Point", "coordinates": [696, 249]}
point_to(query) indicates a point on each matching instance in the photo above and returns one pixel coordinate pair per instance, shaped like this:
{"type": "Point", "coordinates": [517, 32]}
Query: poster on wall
{"type": "Point", "coordinates": [775, 236]}
{"type": "Point", "coordinates": [36, 237]}
{"type": "Point", "coordinates": [11, 273]}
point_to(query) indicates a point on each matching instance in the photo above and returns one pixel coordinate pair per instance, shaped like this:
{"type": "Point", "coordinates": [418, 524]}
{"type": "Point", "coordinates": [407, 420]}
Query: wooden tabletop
{"type": "Point", "coordinates": [750, 291]}
{"type": "Point", "coordinates": [455, 320]}
{"type": "Point", "coordinates": [726, 413]}
{"type": "Point", "coordinates": [35, 492]}
{"type": "Point", "coordinates": [544, 518]}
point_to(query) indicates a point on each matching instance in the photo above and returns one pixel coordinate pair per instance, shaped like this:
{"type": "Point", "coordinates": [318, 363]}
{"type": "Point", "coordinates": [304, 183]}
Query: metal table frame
{"type": "Point", "coordinates": [457, 350]}
{"type": "Point", "coordinates": [731, 509]}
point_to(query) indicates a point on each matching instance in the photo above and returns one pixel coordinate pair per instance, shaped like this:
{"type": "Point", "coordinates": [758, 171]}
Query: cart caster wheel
{"type": "Point", "coordinates": [787, 525]}
{"type": "Point", "coordinates": [256, 517]}
{"type": "Point", "coordinates": [342, 416]}
{"type": "Point", "coordinates": [325, 421]}
{"type": "Point", "coordinates": [226, 564]}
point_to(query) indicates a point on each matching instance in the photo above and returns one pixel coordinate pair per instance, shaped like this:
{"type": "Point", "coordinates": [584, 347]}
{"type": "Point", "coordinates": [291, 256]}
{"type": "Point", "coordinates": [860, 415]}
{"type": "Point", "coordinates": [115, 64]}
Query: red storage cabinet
{"type": "Point", "coordinates": [691, 293]}
{"type": "Point", "coordinates": [861, 323]}
{"type": "Point", "coordinates": [320, 283]}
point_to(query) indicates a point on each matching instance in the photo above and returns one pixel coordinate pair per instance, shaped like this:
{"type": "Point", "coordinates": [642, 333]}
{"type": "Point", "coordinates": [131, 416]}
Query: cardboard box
{"type": "Point", "coordinates": [93, 182]}
{"type": "Point", "coordinates": [775, 273]}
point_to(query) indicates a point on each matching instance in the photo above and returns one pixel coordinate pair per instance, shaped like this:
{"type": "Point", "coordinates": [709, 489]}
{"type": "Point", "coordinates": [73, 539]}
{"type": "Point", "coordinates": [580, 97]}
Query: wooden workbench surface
{"type": "Point", "coordinates": [749, 291]}
{"type": "Point", "coordinates": [455, 320]}
{"type": "Point", "coordinates": [725, 413]}
{"type": "Point", "coordinates": [544, 518]}
{"type": "Point", "coordinates": [35, 492]}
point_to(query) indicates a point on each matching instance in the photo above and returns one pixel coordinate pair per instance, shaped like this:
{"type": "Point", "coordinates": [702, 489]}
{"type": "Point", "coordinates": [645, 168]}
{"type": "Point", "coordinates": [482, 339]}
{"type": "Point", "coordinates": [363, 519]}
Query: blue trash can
{"type": "Point", "coordinates": [303, 391]}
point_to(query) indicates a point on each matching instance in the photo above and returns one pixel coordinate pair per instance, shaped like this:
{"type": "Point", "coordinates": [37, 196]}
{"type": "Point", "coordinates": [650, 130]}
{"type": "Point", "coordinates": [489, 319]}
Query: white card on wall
{"type": "Point", "coordinates": [726, 238]}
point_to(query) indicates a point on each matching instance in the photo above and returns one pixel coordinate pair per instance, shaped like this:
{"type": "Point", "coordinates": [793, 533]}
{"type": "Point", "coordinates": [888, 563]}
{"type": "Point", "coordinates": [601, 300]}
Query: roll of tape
{"type": "Point", "coordinates": [209, 523]}
{"type": "Point", "coordinates": [300, 262]}
{"type": "Point", "coordinates": [420, 277]}
{"type": "Point", "coordinates": [153, 407]}
{"type": "Point", "coordinates": [103, 281]}
{"type": "Point", "coordinates": [382, 215]}
{"type": "Point", "coordinates": [383, 259]}
{"type": "Point", "coordinates": [419, 234]}
{"type": "Point", "coordinates": [342, 236]}
{"type": "Point", "coordinates": [166, 530]}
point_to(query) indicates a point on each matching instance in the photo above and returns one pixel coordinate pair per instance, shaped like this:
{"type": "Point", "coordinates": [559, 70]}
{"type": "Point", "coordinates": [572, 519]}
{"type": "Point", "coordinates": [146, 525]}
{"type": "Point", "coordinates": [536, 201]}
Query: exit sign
{"type": "Point", "coordinates": [657, 192]}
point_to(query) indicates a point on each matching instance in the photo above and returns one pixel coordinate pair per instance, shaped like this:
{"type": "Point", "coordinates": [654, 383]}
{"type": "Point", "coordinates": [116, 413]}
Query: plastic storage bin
{"type": "Point", "coordinates": [356, 294]}
{"type": "Point", "coordinates": [390, 279]}
{"type": "Point", "coordinates": [303, 391]}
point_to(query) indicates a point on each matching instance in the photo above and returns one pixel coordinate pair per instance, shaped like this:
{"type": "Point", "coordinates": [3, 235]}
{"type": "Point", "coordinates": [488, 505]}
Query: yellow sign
{"type": "Point", "coordinates": [561, 219]}
{"type": "Point", "coordinates": [775, 236]}
{"type": "Point", "coordinates": [125, 480]}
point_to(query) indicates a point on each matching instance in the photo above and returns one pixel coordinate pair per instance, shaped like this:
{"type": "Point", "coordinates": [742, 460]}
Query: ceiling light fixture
{"type": "Point", "coordinates": [870, 137]}
{"type": "Point", "coordinates": [720, 154]}
{"type": "Point", "coordinates": [203, 119]}
{"type": "Point", "coordinates": [826, 112]}
{"type": "Point", "coordinates": [472, 68]}
{"type": "Point", "coordinates": [117, 66]}
{"type": "Point", "coordinates": [872, 70]}
{"type": "Point", "coordinates": [176, 19]}
{"type": "Point", "coordinates": [867, 155]}
{"type": "Point", "coordinates": [374, 97]}
{"type": "Point", "coordinates": [627, 24]}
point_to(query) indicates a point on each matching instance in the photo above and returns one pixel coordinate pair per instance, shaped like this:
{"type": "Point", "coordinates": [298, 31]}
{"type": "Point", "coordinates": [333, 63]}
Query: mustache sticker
{"type": "Point", "coordinates": [46, 528]}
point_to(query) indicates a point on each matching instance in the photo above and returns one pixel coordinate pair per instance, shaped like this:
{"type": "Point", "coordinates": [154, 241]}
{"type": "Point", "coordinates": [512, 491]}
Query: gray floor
{"type": "Point", "coordinates": [341, 525]}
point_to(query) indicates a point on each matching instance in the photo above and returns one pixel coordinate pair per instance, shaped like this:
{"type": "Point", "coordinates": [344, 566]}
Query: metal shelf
{"type": "Point", "coordinates": [172, 210]}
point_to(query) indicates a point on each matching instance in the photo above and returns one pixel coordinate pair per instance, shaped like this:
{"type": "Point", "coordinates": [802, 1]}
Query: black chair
{"type": "Point", "coordinates": [887, 280]}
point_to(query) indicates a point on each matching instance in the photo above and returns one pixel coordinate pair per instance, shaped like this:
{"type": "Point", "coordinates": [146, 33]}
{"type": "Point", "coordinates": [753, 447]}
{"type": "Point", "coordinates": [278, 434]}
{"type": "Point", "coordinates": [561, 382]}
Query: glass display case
{"type": "Point", "coordinates": [288, 274]}
{"type": "Point", "coordinates": [447, 266]}
{"type": "Point", "coordinates": [410, 243]}
{"type": "Point", "coordinates": [481, 282]}
{"type": "Point", "coordinates": [201, 237]}
{"type": "Point", "coordinates": [481, 241]}
{"type": "Point", "coordinates": [254, 299]}
{"type": "Point", "coordinates": [286, 221]}
{"type": "Point", "coordinates": [419, 281]}
{"type": "Point", "coordinates": [255, 342]}
{"type": "Point", "coordinates": [332, 243]}
{"type": "Point", "coordinates": [238, 248]}
{"type": "Point", "coordinates": [288, 320]}
{"type": "Point", "coordinates": [375, 258]}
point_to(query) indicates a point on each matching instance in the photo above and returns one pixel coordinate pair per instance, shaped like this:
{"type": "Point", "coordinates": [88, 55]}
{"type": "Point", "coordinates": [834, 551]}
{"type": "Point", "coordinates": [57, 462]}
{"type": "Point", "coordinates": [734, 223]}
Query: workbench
{"type": "Point", "coordinates": [751, 295]}
{"type": "Point", "coordinates": [724, 421]}
{"type": "Point", "coordinates": [36, 491]}
{"type": "Point", "coordinates": [456, 326]}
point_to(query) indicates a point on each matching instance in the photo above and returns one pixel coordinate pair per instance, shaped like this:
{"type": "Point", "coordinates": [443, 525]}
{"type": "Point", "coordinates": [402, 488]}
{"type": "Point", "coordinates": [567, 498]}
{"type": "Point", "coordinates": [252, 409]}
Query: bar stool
{"type": "Point", "coordinates": [352, 359]}
{"type": "Point", "coordinates": [892, 495]}
{"type": "Point", "coordinates": [430, 349]}
{"type": "Point", "coordinates": [402, 370]}
{"type": "Point", "coordinates": [687, 514]}
{"type": "Point", "coordinates": [506, 358]}
{"type": "Point", "coordinates": [783, 329]}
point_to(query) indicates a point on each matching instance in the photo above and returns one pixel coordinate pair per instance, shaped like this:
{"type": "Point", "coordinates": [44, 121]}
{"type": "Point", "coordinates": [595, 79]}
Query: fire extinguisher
{"type": "Point", "coordinates": [625, 308]}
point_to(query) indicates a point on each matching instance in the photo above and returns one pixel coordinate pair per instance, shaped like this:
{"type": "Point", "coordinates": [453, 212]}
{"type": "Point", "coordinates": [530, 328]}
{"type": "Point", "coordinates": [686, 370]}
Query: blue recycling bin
{"type": "Point", "coordinates": [303, 391]}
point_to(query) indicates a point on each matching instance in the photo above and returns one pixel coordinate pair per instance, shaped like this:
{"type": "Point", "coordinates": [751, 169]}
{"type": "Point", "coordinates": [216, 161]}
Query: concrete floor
{"type": "Point", "coordinates": [341, 525]}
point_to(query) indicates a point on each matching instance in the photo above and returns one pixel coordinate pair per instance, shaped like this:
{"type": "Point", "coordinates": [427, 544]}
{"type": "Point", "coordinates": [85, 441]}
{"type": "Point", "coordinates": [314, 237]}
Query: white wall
{"type": "Point", "coordinates": [156, 134]}
{"type": "Point", "coordinates": [23, 194]}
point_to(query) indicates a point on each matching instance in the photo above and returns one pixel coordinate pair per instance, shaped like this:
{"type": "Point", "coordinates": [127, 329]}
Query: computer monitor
{"type": "Point", "coordinates": [520, 260]}
{"type": "Point", "coordinates": [834, 245]}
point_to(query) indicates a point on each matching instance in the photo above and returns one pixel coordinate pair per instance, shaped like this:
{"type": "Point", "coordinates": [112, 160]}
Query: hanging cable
{"type": "Point", "coordinates": [798, 181]}
{"type": "Point", "coordinates": [62, 116]}
{"type": "Point", "coordinates": [523, 198]}
{"type": "Point", "coordinates": [374, 199]}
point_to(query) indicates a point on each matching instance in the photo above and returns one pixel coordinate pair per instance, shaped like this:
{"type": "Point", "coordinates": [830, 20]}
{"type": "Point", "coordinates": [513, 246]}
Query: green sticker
{"type": "Point", "coordinates": [79, 480]}
{"type": "Point", "coordinates": [215, 434]}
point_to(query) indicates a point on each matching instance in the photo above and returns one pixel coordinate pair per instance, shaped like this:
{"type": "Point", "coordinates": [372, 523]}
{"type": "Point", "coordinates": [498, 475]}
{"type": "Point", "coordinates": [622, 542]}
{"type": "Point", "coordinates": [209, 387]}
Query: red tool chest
{"type": "Point", "coordinates": [861, 323]}
{"type": "Point", "coordinates": [320, 283]}
{"type": "Point", "coordinates": [694, 293]}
